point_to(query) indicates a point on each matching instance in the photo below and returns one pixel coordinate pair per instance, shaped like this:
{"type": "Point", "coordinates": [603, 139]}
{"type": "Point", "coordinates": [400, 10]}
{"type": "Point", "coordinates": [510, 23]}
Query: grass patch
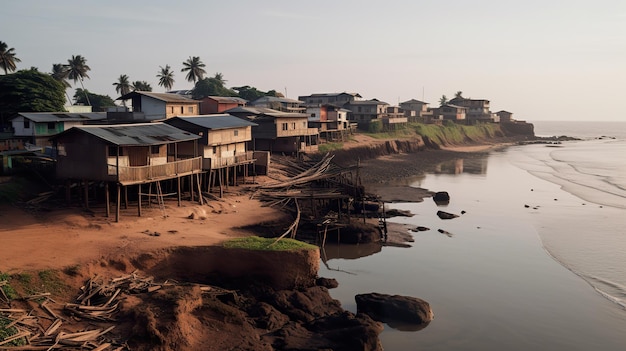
{"type": "Point", "coordinates": [6, 333]}
{"type": "Point", "coordinates": [7, 288]}
{"type": "Point", "coordinates": [327, 147]}
{"type": "Point", "coordinates": [51, 282]}
{"type": "Point", "coordinates": [258, 243]}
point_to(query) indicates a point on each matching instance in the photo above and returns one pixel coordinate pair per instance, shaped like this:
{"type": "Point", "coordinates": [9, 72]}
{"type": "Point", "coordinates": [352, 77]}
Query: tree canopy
{"type": "Point", "coordinates": [141, 85]}
{"type": "Point", "coordinates": [211, 87]}
{"type": "Point", "coordinates": [99, 103]}
{"type": "Point", "coordinates": [194, 68]}
{"type": "Point", "coordinates": [251, 93]}
{"type": "Point", "coordinates": [443, 100]}
{"type": "Point", "coordinates": [166, 77]}
{"type": "Point", "coordinates": [7, 58]}
{"type": "Point", "coordinates": [77, 71]}
{"type": "Point", "coordinates": [30, 91]}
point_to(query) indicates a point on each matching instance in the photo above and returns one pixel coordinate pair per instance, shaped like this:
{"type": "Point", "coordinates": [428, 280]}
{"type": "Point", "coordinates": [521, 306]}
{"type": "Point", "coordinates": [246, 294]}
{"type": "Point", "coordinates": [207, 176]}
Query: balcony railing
{"type": "Point", "coordinates": [221, 162]}
{"type": "Point", "coordinates": [154, 172]}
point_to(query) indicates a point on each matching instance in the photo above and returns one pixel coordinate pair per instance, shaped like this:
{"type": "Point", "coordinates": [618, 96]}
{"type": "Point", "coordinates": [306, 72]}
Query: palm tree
{"type": "Point", "coordinates": [458, 95]}
{"type": "Point", "coordinates": [60, 73]}
{"type": "Point", "coordinates": [77, 70]}
{"type": "Point", "coordinates": [141, 86]}
{"type": "Point", "coordinates": [220, 78]}
{"type": "Point", "coordinates": [122, 86]}
{"type": "Point", "coordinates": [166, 77]}
{"type": "Point", "coordinates": [443, 100]}
{"type": "Point", "coordinates": [7, 58]}
{"type": "Point", "coordinates": [194, 69]}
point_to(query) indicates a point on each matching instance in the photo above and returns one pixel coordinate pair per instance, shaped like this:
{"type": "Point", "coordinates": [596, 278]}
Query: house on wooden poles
{"type": "Point", "coordinates": [149, 106]}
{"type": "Point", "coordinates": [129, 155]}
{"type": "Point", "coordinates": [223, 148]}
{"type": "Point", "coordinates": [278, 131]}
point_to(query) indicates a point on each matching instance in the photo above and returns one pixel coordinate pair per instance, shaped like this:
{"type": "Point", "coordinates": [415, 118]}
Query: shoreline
{"type": "Point", "coordinates": [92, 244]}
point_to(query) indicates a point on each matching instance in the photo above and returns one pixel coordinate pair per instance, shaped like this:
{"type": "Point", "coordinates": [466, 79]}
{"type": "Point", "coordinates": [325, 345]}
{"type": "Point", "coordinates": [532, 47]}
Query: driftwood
{"type": "Point", "coordinates": [98, 302]}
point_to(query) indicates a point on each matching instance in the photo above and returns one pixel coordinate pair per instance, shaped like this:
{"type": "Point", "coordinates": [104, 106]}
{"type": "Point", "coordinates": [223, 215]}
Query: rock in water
{"type": "Point", "coordinates": [394, 308]}
{"type": "Point", "coordinates": [446, 215]}
{"type": "Point", "coordinates": [441, 198]}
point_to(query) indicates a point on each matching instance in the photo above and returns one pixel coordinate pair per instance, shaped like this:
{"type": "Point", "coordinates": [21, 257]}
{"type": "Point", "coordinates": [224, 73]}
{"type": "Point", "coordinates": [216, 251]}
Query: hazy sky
{"type": "Point", "coordinates": [541, 60]}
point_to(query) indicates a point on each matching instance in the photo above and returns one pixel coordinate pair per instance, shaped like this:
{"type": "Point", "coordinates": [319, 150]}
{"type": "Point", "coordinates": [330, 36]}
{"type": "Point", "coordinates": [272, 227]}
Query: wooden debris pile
{"type": "Point", "coordinates": [27, 332]}
{"type": "Point", "coordinates": [24, 329]}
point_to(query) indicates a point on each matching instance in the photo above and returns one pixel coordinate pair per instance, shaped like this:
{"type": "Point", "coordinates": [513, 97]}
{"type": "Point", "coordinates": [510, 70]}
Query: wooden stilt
{"type": "Point", "coordinates": [150, 195]}
{"type": "Point", "coordinates": [191, 187]}
{"type": "Point", "coordinates": [126, 198]}
{"type": "Point", "coordinates": [68, 192]}
{"type": "Point", "coordinates": [221, 184]}
{"type": "Point", "coordinates": [139, 200]}
{"type": "Point", "coordinates": [200, 200]}
{"type": "Point", "coordinates": [179, 195]}
{"type": "Point", "coordinates": [119, 201]}
{"type": "Point", "coordinates": [86, 191]}
{"type": "Point", "coordinates": [107, 199]}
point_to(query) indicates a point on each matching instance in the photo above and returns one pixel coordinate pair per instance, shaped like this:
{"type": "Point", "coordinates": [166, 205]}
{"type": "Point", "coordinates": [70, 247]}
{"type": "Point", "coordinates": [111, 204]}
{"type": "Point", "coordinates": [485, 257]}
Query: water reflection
{"type": "Point", "coordinates": [350, 252]}
{"type": "Point", "coordinates": [460, 165]}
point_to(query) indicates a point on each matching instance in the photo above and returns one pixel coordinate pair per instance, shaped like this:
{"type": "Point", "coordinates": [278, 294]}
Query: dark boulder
{"type": "Point", "coordinates": [328, 283]}
{"type": "Point", "coordinates": [441, 198]}
{"type": "Point", "coordinates": [446, 215]}
{"type": "Point", "coordinates": [394, 308]}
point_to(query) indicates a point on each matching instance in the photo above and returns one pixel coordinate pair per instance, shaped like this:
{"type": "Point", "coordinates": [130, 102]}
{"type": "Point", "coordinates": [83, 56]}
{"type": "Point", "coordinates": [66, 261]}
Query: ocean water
{"type": "Point", "coordinates": [538, 260]}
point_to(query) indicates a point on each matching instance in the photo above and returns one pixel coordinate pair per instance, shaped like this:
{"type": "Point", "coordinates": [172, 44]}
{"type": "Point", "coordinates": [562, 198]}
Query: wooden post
{"type": "Point", "coordinates": [107, 199]}
{"type": "Point", "coordinates": [191, 186]}
{"type": "Point", "coordinates": [221, 184]}
{"type": "Point", "coordinates": [179, 195]}
{"type": "Point", "coordinates": [126, 198]}
{"type": "Point", "coordinates": [68, 192]}
{"type": "Point", "coordinates": [139, 200]}
{"type": "Point", "coordinates": [200, 200]}
{"type": "Point", "coordinates": [119, 201]}
{"type": "Point", "coordinates": [150, 194]}
{"type": "Point", "coordinates": [86, 190]}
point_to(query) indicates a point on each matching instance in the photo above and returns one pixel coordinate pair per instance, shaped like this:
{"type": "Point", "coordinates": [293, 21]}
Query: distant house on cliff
{"type": "Point", "coordinates": [504, 116]}
{"type": "Point", "coordinates": [149, 106]}
{"type": "Point", "coordinates": [364, 112]}
{"type": "Point", "coordinates": [38, 127]}
{"type": "Point", "coordinates": [218, 104]}
{"type": "Point", "coordinates": [278, 131]}
{"type": "Point", "coordinates": [335, 99]}
{"type": "Point", "coordinates": [449, 112]}
{"type": "Point", "coordinates": [278, 104]}
{"type": "Point", "coordinates": [331, 121]}
{"type": "Point", "coordinates": [416, 110]}
{"type": "Point", "coordinates": [477, 110]}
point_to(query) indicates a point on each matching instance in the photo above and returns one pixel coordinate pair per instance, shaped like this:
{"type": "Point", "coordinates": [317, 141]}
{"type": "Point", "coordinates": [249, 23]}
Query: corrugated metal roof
{"type": "Point", "coordinates": [43, 117]}
{"type": "Point", "coordinates": [221, 121]}
{"type": "Point", "coordinates": [135, 134]}
{"type": "Point", "coordinates": [167, 97]}
{"type": "Point", "coordinates": [367, 102]}
{"type": "Point", "coordinates": [228, 99]}
{"type": "Point", "coordinates": [262, 111]}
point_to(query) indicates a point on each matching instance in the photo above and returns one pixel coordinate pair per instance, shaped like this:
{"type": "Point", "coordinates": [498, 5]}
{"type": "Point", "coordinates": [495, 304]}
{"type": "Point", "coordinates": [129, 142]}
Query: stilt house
{"type": "Point", "coordinates": [223, 139]}
{"type": "Point", "coordinates": [126, 155]}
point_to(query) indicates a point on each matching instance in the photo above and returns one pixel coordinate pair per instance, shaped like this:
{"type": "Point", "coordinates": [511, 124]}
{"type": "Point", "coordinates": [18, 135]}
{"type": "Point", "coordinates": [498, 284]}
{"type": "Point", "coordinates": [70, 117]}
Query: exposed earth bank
{"type": "Point", "coordinates": [253, 302]}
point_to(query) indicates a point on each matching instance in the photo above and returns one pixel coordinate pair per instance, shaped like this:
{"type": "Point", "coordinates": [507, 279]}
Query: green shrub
{"type": "Point", "coordinates": [258, 243]}
{"type": "Point", "coordinates": [327, 147]}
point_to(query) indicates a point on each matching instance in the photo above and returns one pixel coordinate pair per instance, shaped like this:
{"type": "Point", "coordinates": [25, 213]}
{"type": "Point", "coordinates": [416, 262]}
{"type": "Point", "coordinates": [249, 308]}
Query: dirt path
{"type": "Point", "coordinates": [68, 237]}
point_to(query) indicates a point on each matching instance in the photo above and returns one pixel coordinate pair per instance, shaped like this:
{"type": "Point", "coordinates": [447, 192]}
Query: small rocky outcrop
{"type": "Point", "coordinates": [446, 215]}
{"type": "Point", "coordinates": [394, 308]}
{"type": "Point", "coordinates": [441, 198]}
